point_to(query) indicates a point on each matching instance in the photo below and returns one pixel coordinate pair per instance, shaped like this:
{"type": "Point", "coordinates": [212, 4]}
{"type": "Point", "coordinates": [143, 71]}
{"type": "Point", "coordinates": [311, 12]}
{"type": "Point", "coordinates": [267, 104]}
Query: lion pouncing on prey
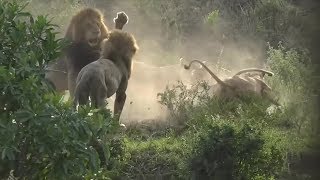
{"type": "Point", "coordinates": [108, 75]}
{"type": "Point", "coordinates": [237, 85]}
{"type": "Point", "coordinates": [86, 31]}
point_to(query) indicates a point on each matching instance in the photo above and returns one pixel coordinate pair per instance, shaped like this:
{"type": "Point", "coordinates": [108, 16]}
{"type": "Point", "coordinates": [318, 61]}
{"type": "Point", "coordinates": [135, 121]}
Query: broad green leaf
{"type": "Point", "coordinates": [3, 154]}
{"type": "Point", "coordinates": [10, 154]}
{"type": "Point", "coordinates": [2, 125]}
{"type": "Point", "coordinates": [94, 160]}
{"type": "Point", "coordinates": [23, 115]}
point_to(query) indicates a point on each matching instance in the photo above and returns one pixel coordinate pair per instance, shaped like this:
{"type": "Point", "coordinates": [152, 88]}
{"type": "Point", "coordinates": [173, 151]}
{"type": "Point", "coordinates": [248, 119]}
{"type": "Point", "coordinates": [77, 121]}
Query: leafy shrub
{"type": "Point", "coordinates": [295, 83]}
{"type": "Point", "coordinates": [163, 158]}
{"type": "Point", "coordinates": [244, 138]}
{"type": "Point", "coordinates": [178, 19]}
{"type": "Point", "coordinates": [235, 152]}
{"type": "Point", "coordinates": [59, 12]}
{"type": "Point", "coordinates": [240, 20]}
{"type": "Point", "coordinates": [222, 140]}
{"type": "Point", "coordinates": [185, 103]}
{"type": "Point", "coordinates": [41, 137]}
{"type": "Point", "coordinates": [212, 17]}
{"type": "Point", "coordinates": [179, 99]}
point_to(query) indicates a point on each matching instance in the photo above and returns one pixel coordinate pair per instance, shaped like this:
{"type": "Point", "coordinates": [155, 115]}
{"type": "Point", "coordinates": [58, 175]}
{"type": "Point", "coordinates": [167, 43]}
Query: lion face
{"type": "Point", "coordinates": [92, 33]}
{"type": "Point", "coordinates": [87, 26]}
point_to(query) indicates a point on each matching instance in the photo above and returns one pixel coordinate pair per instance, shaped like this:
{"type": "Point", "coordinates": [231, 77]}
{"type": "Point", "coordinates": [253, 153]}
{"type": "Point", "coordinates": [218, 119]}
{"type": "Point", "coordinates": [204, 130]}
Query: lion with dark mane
{"type": "Point", "coordinates": [108, 75]}
{"type": "Point", "coordinates": [85, 32]}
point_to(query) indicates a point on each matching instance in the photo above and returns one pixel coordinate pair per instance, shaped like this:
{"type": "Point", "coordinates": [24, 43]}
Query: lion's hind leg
{"type": "Point", "coordinates": [83, 98]}
{"type": "Point", "coordinates": [98, 96]}
{"type": "Point", "coordinates": [81, 93]}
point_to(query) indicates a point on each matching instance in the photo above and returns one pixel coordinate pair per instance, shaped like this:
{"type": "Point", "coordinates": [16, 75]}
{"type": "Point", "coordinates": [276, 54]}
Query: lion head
{"type": "Point", "coordinates": [87, 26]}
{"type": "Point", "coordinates": [119, 44]}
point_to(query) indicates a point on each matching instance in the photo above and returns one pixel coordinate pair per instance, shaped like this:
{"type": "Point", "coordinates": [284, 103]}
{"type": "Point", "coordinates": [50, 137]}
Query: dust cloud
{"type": "Point", "coordinates": [157, 64]}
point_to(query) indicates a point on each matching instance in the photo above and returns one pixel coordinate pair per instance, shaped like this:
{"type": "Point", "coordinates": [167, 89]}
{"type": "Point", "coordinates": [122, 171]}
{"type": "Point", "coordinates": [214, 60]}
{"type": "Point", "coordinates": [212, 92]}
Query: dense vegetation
{"type": "Point", "coordinates": [41, 137]}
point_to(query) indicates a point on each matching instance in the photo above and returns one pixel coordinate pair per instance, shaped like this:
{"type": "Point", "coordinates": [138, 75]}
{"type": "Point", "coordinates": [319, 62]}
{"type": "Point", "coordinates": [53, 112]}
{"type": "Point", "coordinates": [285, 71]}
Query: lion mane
{"type": "Point", "coordinates": [82, 21]}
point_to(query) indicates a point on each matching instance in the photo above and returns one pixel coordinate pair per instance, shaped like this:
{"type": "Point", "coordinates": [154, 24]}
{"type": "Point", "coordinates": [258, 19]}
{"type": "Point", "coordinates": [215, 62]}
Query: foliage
{"type": "Point", "coordinates": [275, 132]}
{"type": "Point", "coordinates": [60, 12]}
{"type": "Point", "coordinates": [269, 20]}
{"type": "Point", "coordinates": [179, 99]}
{"type": "Point", "coordinates": [221, 140]}
{"type": "Point", "coordinates": [178, 19]}
{"type": "Point", "coordinates": [243, 138]}
{"type": "Point", "coordinates": [239, 20]}
{"type": "Point", "coordinates": [212, 18]}
{"type": "Point", "coordinates": [295, 83]}
{"type": "Point", "coordinates": [155, 158]}
{"type": "Point", "coordinates": [41, 137]}
{"type": "Point", "coordinates": [235, 152]}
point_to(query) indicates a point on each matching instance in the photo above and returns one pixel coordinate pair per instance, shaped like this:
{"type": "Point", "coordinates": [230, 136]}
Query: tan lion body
{"type": "Point", "coordinates": [109, 74]}
{"type": "Point", "coordinates": [239, 85]}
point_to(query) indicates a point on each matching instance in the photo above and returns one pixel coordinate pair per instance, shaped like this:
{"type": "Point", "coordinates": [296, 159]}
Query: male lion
{"type": "Point", "coordinates": [237, 85]}
{"type": "Point", "coordinates": [109, 74]}
{"type": "Point", "coordinates": [86, 31]}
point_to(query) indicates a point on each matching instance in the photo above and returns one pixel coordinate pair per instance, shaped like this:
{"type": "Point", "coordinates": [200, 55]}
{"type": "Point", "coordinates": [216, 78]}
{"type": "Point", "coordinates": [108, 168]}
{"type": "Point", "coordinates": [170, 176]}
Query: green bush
{"type": "Point", "coordinates": [59, 12]}
{"type": "Point", "coordinates": [41, 137]}
{"type": "Point", "coordinates": [163, 158]}
{"type": "Point", "coordinates": [271, 21]}
{"type": "Point", "coordinates": [222, 140]}
{"type": "Point", "coordinates": [186, 103]}
{"type": "Point", "coordinates": [236, 139]}
{"type": "Point", "coordinates": [179, 99]}
{"type": "Point", "coordinates": [243, 138]}
{"type": "Point", "coordinates": [235, 152]}
{"type": "Point", "coordinates": [295, 83]}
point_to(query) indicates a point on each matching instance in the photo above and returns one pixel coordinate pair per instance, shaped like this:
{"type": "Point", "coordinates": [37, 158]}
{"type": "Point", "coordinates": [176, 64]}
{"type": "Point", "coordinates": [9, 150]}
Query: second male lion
{"type": "Point", "coordinates": [109, 74]}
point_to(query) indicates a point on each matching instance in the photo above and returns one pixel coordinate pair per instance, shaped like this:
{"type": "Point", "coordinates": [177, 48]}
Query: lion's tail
{"type": "Point", "coordinates": [76, 97]}
{"type": "Point", "coordinates": [269, 73]}
{"type": "Point", "coordinates": [209, 71]}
